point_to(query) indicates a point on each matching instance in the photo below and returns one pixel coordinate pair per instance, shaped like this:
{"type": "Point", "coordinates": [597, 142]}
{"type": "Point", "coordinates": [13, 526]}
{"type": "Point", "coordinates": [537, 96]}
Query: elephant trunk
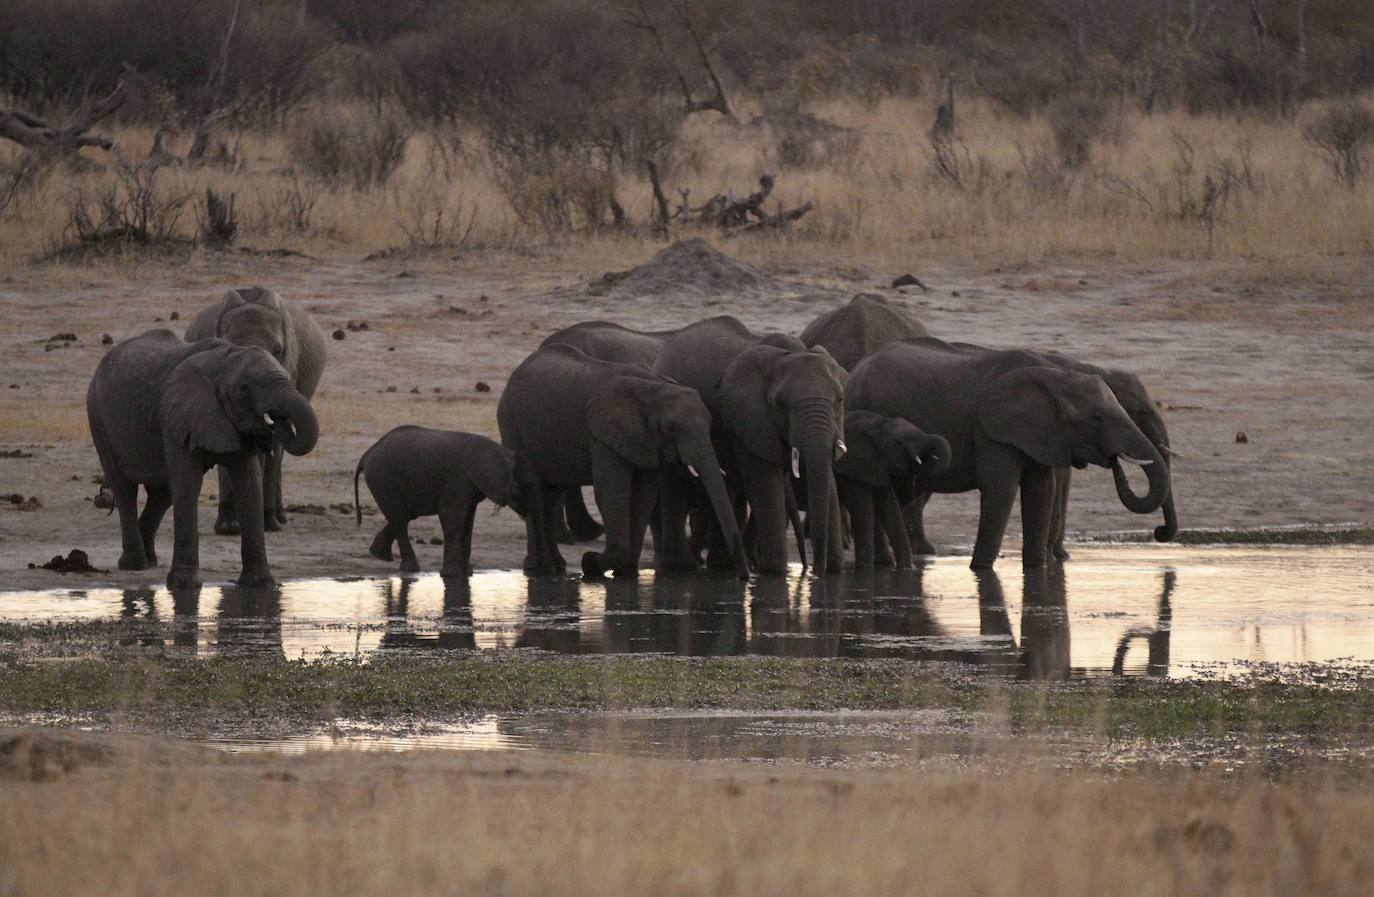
{"type": "Point", "coordinates": [817, 445]}
{"type": "Point", "coordinates": [1156, 471]}
{"type": "Point", "coordinates": [1169, 530]}
{"type": "Point", "coordinates": [293, 420]}
{"type": "Point", "coordinates": [936, 459]}
{"type": "Point", "coordinates": [711, 478]}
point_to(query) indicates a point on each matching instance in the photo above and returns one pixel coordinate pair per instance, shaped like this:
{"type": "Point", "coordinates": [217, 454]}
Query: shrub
{"type": "Point", "coordinates": [1075, 122]}
{"type": "Point", "coordinates": [360, 150]}
{"type": "Point", "coordinates": [1343, 133]}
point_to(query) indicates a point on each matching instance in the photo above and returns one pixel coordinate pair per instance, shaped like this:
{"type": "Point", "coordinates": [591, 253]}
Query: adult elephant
{"type": "Point", "coordinates": [582, 421]}
{"type": "Point", "coordinates": [865, 325]}
{"type": "Point", "coordinates": [1140, 407]}
{"type": "Point", "coordinates": [775, 405]}
{"type": "Point", "coordinates": [609, 342]}
{"type": "Point", "coordinates": [1011, 417]}
{"type": "Point", "coordinates": [888, 461]}
{"type": "Point", "coordinates": [256, 316]}
{"type": "Point", "coordinates": [162, 412]}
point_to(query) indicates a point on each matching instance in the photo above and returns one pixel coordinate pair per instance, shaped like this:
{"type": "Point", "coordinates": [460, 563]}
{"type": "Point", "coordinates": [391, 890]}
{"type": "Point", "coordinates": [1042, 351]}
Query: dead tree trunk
{"type": "Point", "coordinates": [47, 142]}
{"type": "Point", "coordinates": [660, 200]}
{"type": "Point", "coordinates": [640, 19]}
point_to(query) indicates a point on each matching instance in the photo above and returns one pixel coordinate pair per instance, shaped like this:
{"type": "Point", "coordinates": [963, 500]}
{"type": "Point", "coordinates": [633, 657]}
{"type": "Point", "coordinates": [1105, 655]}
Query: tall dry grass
{"type": "Point", "coordinates": [444, 824]}
{"type": "Point", "coordinates": [1002, 191]}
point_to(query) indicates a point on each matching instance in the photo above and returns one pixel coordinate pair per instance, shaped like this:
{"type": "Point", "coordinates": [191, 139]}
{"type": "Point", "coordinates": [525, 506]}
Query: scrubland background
{"type": "Point", "coordinates": [1180, 128]}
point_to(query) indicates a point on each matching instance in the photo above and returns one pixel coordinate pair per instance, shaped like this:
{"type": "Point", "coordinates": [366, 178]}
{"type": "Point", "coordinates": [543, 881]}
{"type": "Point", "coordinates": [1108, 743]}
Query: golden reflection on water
{"type": "Point", "coordinates": [1162, 610]}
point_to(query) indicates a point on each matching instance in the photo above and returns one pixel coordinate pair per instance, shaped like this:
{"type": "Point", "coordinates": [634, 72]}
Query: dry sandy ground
{"type": "Point", "coordinates": [1287, 359]}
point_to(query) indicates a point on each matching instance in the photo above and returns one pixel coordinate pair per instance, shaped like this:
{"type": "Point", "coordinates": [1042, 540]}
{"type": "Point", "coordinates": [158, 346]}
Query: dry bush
{"type": "Point", "coordinates": [1075, 123]}
{"type": "Point", "coordinates": [137, 208]}
{"type": "Point", "coordinates": [1343, 133]}
{"type": "Point", "coordinates": [357, 150]}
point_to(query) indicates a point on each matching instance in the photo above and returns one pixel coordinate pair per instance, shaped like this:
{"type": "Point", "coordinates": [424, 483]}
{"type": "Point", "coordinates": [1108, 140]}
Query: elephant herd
{"type": "Point", "coordinates": [714, 437]}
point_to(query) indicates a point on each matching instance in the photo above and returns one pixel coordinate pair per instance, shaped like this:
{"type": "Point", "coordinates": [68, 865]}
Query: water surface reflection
{"type": "Point", "coordinates": [1156, 611]}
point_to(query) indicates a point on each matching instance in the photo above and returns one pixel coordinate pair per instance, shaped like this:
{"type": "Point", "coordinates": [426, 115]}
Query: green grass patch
{"type": "Point", "coordinates": [187, 688]}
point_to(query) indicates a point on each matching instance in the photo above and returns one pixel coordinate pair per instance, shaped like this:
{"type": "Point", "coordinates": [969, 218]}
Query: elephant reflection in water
{"type": "Point", "coordinates": [250, 621]}
{"type": "Point", "coordinates": [689, 616]}
{"type": "Point", "coordinates": [553, 615]}
{"type": "Point", "coordinates": [1044, 649]}
{"type": "Point", "coordinates": [1156, 639]}
{"type": "Point", "coordinates": [138, 618]}
{"type": "Point", "coordinates": [456, 631]}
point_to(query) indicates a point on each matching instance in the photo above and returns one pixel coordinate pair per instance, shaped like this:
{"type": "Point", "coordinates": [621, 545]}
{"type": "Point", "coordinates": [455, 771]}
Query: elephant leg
{"type": "Point", "coordinates": [409, 562]}
{"type": "Point", "coordinates": [999, 475]}
{"type": "Point", "coordinates": [1062, 476]}
{"type": "Point", "coordinates": [185, 478]}
{"type": "Point", "coordinates": [540, 545]}
{"type": "Point", "coordinates": [1037, 513]}
{"type": "Point", "coordinates": [226, 515]}
{"type": "Point", "coordinates": [467, 532]}
{"type": "Point", "coordinates": [834, 534]}
{"type": "Point", "coordinates": [159, 500]}
{"type": "Point", "coordinates": [889, 519]}
{"type": "Point", "coordinates": [914, 515]}
{"type": "Point", "coordinates": [644, 500]}
{"type": "Point", "coordinates": [455, 517]}
{"type": "Point", "coordinates": [246, 472]}
{"type": "Point", "coordinates": [858, 498]}
{"type": "Point", "coordinates": [613, 484]}
{"type": "Point", "coordinates": [580, 523]}
{"type": "Point", "coordinates": [133, 554]}
{"type": "Point", "coordinates": [673, 552]}
{"type": "Point", "coordinates": [273, 517]}
{"type": "Point", "coordinates": [381, 543]}
{"type": "Point", "coordinates": [562, 533]}
{"type": "Point", "coordinates": [763, 485]}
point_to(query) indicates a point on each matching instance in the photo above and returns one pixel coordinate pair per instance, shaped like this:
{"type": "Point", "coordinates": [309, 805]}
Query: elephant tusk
{"type": "Point", "coordinates": [1136, 461]}
{"type": "Point", "coordinates": [1171, 452]}
{"type": "Point", "coordinates": [918, 460]}
{"type": "Point", "coordinates": [840, 449]}
{"type": "Point", "coordinates": [796, 463]}
{"type": "Point", "coordinates": [267, 418]}
{"type": "Point", "coordinates": [693, 471]}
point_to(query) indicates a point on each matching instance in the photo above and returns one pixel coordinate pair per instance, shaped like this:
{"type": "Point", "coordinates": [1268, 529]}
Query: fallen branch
{"type": "Point", "coordinates": [47, 141]}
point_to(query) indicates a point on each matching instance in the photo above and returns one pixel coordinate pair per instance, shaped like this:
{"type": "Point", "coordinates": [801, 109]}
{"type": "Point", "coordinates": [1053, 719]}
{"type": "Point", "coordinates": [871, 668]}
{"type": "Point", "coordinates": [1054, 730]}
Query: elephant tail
{"type": "Point", "coordinates": [357, 504]}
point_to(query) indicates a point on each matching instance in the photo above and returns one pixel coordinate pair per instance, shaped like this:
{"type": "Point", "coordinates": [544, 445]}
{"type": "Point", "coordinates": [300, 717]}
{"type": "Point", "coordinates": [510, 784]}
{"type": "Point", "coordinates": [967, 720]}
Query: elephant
{"type": "Point", "coordinates": [855, 331]}
{"type": "Point", "coordinates": [418, 471]}
{"type": "Point", "coordinates": [163, 411]}
{"type": "Point", "coordinates": [1011, 417]}
{"type": "Point", "coordinates": [1156, 637]}
{"type": "Point", "coordinates": [767, 394]}
{"type": "Point", "coordinates": [888, 459]}
{"type": "Point", "coordinates": [256, 316]}
{"type": "Point", "coordinates": [1131, 393]}
{"type": "Point", "coordinates": [579, 421]}
{"type": "Point", "coordinates": [608, 342]}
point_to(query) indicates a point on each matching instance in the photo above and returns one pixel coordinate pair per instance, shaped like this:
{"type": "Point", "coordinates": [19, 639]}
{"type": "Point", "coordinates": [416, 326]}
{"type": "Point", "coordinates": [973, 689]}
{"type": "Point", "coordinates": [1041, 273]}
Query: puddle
{"type": "Point", "coordinates": [1132, 610]}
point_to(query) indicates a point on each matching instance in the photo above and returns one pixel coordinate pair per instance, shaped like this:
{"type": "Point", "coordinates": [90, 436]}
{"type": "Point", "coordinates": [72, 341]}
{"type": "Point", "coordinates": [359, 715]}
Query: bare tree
{"type": "Point", "coordinates": [47, 141]}
{"type": "Point", "coordinates": [639, 18]}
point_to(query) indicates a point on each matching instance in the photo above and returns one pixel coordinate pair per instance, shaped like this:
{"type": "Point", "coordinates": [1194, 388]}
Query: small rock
{"type": "Point", "coordinates": [13, 498]}
{"type": "Point", "coordinates": [14, 386]}
{"type": "Point", "coordinates": [1241, 437]}
{"type": "Point", "coordinates": [415, 390]}
{"type": "Point", "coordinates": [174, 316]}
{"type": "Point", "coordinates": [391, 348]}
{"type": "Point", "coordinates": [30, 504]}
{"type": "Point", "coordinates": [909, 280]}
{"type": "Point", "coordinates": [455, 310]}
{"type": "Point", "coordinates": [391, 389]}
{"type": "Point", "coordinates": [157, 320]}
{"type": "Point", "coordinates": [106, 340]}
{"type": "Point", "coordinates": [338, 334]}
{"type": "Point", "coordinates": [482, 386]}
{"type": "Point", "coordinates": [483, 298]}
{"type": "Point", "coordinates": [437, 389]}
{"type": "Point", "coordinates": [17, 453]}
{"type": "Point", "coordinates": [62, 338]}
{"type": "Point", "coordinates": [955, 294]}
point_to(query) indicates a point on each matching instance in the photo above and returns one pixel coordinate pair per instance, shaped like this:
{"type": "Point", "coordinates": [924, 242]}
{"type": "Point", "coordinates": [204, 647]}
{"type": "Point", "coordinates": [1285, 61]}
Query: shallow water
{"type": "Point", "coordinates": [1132, 610]}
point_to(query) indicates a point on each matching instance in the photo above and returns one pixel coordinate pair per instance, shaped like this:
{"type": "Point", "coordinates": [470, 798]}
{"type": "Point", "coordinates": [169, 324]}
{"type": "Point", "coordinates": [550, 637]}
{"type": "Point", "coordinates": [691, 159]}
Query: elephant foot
{"type": "Point", "coordinates": [183, 578]}
{"type": "Point", "coordinates": [925, 548]}
{"type": "Point", "coordinates": [128, 561]}
{"type": "Point", "coordinates": [226, 526]}
{"type": "Point", "coordinates": [593, 567]}
{"type": "Point", "coordinates": [270, 523]}
{"type": "Point", "coordinates": [454, 573]}
{"type": "Point", "coordinates": [565, 536]}
{"type": "Point", "coordinates": [150, 557]}
{"type": "Point", "coordinates": [884, 559]}
{"type": "Point", "coordinates": [256, 578]}
{"type": "Point", "coordinates": [1061, 554]}
{"type": "Point", "coordinates": [381, 554]}
{"type": "Point", "coordinates": [408, 566]}
{"type": "Point", "coordinates": [281, 516]}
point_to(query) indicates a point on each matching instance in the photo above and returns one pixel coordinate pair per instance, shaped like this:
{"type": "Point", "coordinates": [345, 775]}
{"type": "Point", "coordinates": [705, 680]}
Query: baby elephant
{"type": "Point", "coordinates": [417, 471]}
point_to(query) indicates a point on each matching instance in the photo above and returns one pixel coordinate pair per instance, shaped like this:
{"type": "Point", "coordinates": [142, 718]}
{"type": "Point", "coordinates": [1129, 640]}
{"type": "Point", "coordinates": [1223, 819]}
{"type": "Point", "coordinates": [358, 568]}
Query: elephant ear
{"type": "Point", "coordinates": [865, 460]}
{"type": "Point", "coordinates": [617, 417]}
{"type": "Point", "coordinates": [1020, 409]}
{"type": "Point", "coordinates": [743, 398]}
{"type": "Point", "coordinates": [191, 414]}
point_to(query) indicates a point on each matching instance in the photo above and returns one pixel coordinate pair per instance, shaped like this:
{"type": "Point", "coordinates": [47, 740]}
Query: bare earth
{"type": "Point", "coordinates": [1287, 360]}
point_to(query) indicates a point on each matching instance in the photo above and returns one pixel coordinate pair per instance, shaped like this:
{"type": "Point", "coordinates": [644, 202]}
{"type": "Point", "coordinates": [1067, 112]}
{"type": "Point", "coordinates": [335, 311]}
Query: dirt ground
{"type": "Point", "coordinates": [1287, 359]}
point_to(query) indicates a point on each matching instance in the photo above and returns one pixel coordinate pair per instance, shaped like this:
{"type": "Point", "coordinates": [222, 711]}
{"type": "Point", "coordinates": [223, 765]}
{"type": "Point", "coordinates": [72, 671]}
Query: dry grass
{"type": "Point", "coordinates": [1140, 195]}
{"type": "Point", "coordinates": [440, 823]}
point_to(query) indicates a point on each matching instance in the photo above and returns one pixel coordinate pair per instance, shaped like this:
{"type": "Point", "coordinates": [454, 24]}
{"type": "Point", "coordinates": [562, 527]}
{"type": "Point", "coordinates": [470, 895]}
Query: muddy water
{"type": "Point", "coordinates": [1128, 610]}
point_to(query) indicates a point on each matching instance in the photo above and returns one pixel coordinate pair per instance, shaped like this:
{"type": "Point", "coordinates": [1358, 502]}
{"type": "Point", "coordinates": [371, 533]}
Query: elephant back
{"type": "Point", "coordinates": [867, 324]}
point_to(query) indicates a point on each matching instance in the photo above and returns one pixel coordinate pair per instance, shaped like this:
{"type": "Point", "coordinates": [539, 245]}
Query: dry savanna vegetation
{"type": "Point", "coordinates": [986, 130]}
{"type": "Point", "coordinates": [489, 823]}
